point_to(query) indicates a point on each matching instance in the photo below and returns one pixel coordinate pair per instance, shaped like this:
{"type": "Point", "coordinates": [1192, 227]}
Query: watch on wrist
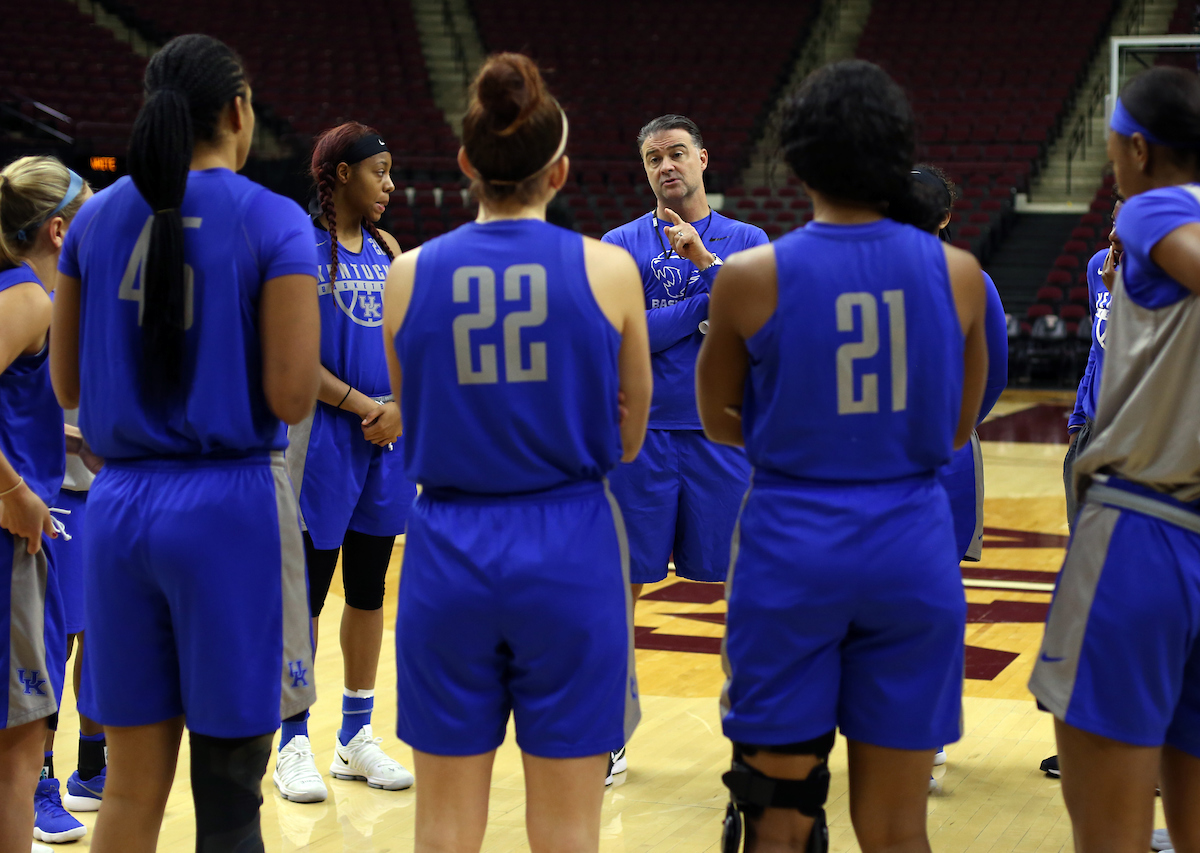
{"type": "Point", "coordinates": [716, 262]}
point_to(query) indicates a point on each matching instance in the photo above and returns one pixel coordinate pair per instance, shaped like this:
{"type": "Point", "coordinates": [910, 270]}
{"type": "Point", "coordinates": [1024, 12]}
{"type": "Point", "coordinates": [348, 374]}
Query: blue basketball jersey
{"type": "Point", "coordinates": [237, 235]}
{"type": "Point", "coordinates": [352, 312]}
{"type": "Point", "coordinates": [858, 374]}
{"type": "Point", "coordinates": [510, 366]}
{"type": "Point", "coordinates": [31, 421]}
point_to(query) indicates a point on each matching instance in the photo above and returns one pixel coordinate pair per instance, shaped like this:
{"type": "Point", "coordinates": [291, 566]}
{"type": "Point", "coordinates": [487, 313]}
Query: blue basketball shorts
{"type": "Point", "coordinates": [68, 556]}
{"type": "Point", "coordinates": [344, 482]}
{"type": "Point", "coordinates": [1120, 657]}
{"type": "Point", "coordinates": [516, 604]}
{"type": "Point", "coordinates": [33, 643]}
{"type": "Point", "coordinates": [846, 610]}
{"type": "Point", "coordinates": [681, 496]}
{"type": "Point", "coordinates": [197, 597]}
{"type": "Point", "coordinates": [962, 478]}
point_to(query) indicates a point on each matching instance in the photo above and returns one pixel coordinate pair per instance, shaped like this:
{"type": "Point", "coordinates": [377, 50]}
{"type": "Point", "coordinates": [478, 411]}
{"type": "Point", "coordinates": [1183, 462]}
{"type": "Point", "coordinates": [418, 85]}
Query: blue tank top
{"type": "Point", "coordinates": [352, 313]}
{"type": "Point", "coordinates": [31, 421]}
{"type": "Point", "coordinates": [857, 376]}
{"type": "Point", "coordinates": [510, 366]}
{"type": "Point", "coordinates": [237, 235]}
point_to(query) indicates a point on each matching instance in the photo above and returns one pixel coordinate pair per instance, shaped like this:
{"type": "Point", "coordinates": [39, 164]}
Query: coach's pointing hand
{"type": "Point", "coordinates": [682, 237]}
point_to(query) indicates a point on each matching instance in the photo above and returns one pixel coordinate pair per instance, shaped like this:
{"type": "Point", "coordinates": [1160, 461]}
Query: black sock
{"type": "Point", "coordinates": [91, 756]}
{"type": "Point", "coordinates": [48, 766]}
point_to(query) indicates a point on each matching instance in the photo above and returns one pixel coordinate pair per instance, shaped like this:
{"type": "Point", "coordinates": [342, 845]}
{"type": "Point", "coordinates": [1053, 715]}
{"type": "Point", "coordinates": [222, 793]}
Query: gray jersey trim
{"type": "Point", "coordinates": [1101, 494]}
{"type": "Point", "coordinates": [1054, 674]}
{"type": "Point", "coordinates": [975, 549]}
{"type": "Point", "coordinates": [299, 687]}
{"type": "Point", "coordinates": [735, 547]}
{"type": "Point", "coordinates": [30, 683]}
{"type": "Point", "coordinates": [297, 454]}
{"type": "Point", "coordinates": [633, 709]}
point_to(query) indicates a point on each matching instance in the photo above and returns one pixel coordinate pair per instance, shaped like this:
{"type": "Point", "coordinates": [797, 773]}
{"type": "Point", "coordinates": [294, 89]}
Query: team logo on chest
{"type": "Point", "coordinates": [1101, 328]}
{"type": "Point", "coordinates": [358, 290]}
{"type": "Point", "coordinates": [674, 275]}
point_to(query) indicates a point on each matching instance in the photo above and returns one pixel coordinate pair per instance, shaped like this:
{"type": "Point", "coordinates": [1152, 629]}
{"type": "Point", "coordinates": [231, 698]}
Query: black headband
{"type": "Point", "coordinates": [368, 146]}
{"type": "Point", "coordinates": [929, 179]}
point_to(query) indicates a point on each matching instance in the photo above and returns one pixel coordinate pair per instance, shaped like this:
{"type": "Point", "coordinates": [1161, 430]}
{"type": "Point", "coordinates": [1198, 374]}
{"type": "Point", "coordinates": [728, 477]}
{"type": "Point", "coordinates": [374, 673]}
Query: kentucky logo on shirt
{"type": "Point", "coordinates": [1101, 328]}
{"type": "Point", "coordinates": [358, 290]}
{"type": "Point", "coordinates": [669, 272]}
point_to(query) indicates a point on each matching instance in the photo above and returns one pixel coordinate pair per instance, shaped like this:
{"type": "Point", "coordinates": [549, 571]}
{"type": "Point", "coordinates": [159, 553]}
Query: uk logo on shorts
{"type": "Point", "coordinates": [32, 683]}
{"type": "Point", "coordinates": [298, 672]}
{"type": "Point", "coordinates": [358, 290]}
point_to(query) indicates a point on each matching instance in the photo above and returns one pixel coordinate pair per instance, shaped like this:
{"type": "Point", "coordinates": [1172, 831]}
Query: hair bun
{"type": "Point", "coordinates": [510, 90]}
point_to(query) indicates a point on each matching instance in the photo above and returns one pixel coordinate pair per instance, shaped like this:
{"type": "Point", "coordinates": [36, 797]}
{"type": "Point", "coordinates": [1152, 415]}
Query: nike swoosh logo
{"type": "Point", "coordinates": [715, 239]}
{"type": "Point", "coordinates": [1047, 659]}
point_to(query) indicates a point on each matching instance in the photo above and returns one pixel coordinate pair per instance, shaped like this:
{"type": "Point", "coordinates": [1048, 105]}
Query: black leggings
{"type": "Point", "coordinates": [364, 567]}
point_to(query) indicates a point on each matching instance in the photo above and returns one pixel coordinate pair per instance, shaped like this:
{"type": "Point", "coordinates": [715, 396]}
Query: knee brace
{"type": "Point", "coordinates": [227, 776]}
{"type": "Point", "coordinates": [364, 567]}
{"type": "Point", "coordinates": [751, 792]}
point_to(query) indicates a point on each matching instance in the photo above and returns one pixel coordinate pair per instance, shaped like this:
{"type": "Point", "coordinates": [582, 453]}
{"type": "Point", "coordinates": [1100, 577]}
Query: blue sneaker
{"type": "Point", "coordinates": [85, 796]}
{"type": "Point", "coordinates": [51, 821]}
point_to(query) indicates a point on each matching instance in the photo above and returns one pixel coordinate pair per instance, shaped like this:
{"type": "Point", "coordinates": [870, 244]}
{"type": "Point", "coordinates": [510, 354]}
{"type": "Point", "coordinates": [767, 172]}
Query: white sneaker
{"type": "Point", "coordinates": [41, 848]}
{"type": "Point", "coordinates": [933, 785]}
{"type": "Point", "coordinates": [1160, 839]}
{"type": "Point", "coordinates": [363, 760]}
{"type": "Point", "coordinates": [296, 774]}
{"type": "Point", "coordinates": [619, 764]}
{"type": "Point", "coordinates": [939, 757]}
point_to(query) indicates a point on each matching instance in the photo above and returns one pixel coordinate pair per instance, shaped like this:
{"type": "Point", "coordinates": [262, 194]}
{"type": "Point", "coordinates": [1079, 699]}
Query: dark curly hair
{"type": "Point", "coordinates": [850, 133]}
{"type": "Point", "coordinates": [936, 192]}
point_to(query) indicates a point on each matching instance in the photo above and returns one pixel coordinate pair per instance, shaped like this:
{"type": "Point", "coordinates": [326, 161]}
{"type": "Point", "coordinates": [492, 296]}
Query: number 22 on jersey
{"type": "Point", "coordinates": [484, 279]}
{"type": "Point", "coordinates": [133, 283]}
{"type": "Point", "coordinates": [867, 347]}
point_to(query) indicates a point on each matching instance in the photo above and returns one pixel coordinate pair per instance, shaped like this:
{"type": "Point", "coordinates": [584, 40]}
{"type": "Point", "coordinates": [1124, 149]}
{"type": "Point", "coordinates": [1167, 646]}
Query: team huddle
{"type": "Point", "coordinates": [552, 420]}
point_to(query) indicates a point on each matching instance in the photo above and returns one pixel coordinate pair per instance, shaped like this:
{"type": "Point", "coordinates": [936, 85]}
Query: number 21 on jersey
{"type": "Point", "coordinates": [484, 280]}
{"type": "Point", "coordinates": [866, 347]}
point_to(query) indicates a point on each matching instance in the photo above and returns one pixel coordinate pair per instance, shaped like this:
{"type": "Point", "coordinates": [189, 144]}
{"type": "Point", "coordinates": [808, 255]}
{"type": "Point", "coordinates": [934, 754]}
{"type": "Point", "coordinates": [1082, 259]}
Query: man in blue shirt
{"type": "Point", "coordinates": [682, 494]}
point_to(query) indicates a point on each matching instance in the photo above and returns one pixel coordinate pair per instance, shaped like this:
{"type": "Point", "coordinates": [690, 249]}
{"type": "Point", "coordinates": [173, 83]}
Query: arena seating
{"type": "Point", "coordinates": [316, 66]}
{"type": "Point", "coordinates": [616, 69]}
{"type": "Point", "coordinates": [79, 69]}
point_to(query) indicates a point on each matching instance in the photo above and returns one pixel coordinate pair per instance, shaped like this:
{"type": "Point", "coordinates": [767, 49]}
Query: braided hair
{"type": "Point", "coordinates": [188, 84]}
{"type": "Point", "coordinates": [328, 152]}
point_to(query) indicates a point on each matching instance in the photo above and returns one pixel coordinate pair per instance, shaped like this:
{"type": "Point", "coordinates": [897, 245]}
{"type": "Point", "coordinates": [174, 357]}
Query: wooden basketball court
{"type": "Point", "coordinates": [992, 797]}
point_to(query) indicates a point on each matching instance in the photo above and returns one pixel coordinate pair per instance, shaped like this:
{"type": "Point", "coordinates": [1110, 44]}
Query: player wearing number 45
{"type": "Point", "coordinates": [511, 343]}
{"type": "Point", "coordinates": [849, 358]}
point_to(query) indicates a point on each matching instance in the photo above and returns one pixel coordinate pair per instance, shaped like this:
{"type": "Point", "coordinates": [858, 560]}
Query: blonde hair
{"type": "Point", "coordinates": [30, 189]}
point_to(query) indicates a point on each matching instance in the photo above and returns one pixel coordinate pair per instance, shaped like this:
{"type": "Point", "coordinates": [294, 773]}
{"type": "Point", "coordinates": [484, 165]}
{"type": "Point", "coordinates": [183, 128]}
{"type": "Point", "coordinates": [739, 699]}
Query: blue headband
{"type": "Point", "coordinates": [1126, 125]}
{"type": "Point", "coordinates": [73, 189]}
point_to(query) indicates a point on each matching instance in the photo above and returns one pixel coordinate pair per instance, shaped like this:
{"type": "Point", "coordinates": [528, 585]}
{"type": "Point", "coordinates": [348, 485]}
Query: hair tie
{"type": "Point", "coordinates": [166, 210]}
{"type": "Point", "coordinates": [21, 236]}
{"type": "Point", "coordinates": [1124, 123]}
{"type": "Point", "coordinates": [558, 152]}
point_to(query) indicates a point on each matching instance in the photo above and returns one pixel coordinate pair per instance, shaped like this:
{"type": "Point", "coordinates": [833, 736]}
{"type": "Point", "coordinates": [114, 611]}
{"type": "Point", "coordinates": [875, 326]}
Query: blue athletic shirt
{"type": "Point", "coordinates": [676, 303]}
{"type": "Point", "coordinates": [1146, 219]}
{"type": "Point", "coordinates": [237, 235]}
{"type": "Point", "coordinates": [352, 313]}
{"type": "Point", "coordinates": [996, 331]}
{"type": "Point", "coordinates": [857, 376]}
{"type": "Point", "coordinates": [1089, 385]}
{"type": "Point", "coordinates": [31, 421]}
{"type": "Point", "coordinates": [510, 366]}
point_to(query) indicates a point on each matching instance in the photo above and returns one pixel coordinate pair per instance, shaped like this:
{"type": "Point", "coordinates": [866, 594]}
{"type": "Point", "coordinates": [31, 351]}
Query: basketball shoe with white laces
{"type": "Point", "coordinates": [296, 775]}
{"type": "Point", "coordinates": [363, 760]}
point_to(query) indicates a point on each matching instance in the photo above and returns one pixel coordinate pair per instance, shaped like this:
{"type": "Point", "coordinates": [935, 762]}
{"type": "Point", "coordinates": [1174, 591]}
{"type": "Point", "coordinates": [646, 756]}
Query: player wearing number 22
{"type": "Point", "coordinates": [514, 341]}
{"type": "Point", "coordinates": [854, 350]}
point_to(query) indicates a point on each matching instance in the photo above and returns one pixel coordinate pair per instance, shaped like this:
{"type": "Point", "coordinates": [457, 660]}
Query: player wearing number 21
{"type": "Point", "coordinates": [848, 358]}
{"type": "Point", "coordinates": [510, 343]}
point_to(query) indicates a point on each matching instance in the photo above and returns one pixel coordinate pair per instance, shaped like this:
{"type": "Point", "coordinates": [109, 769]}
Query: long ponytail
{"type": "Point", "coordinates": [188, 83]}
